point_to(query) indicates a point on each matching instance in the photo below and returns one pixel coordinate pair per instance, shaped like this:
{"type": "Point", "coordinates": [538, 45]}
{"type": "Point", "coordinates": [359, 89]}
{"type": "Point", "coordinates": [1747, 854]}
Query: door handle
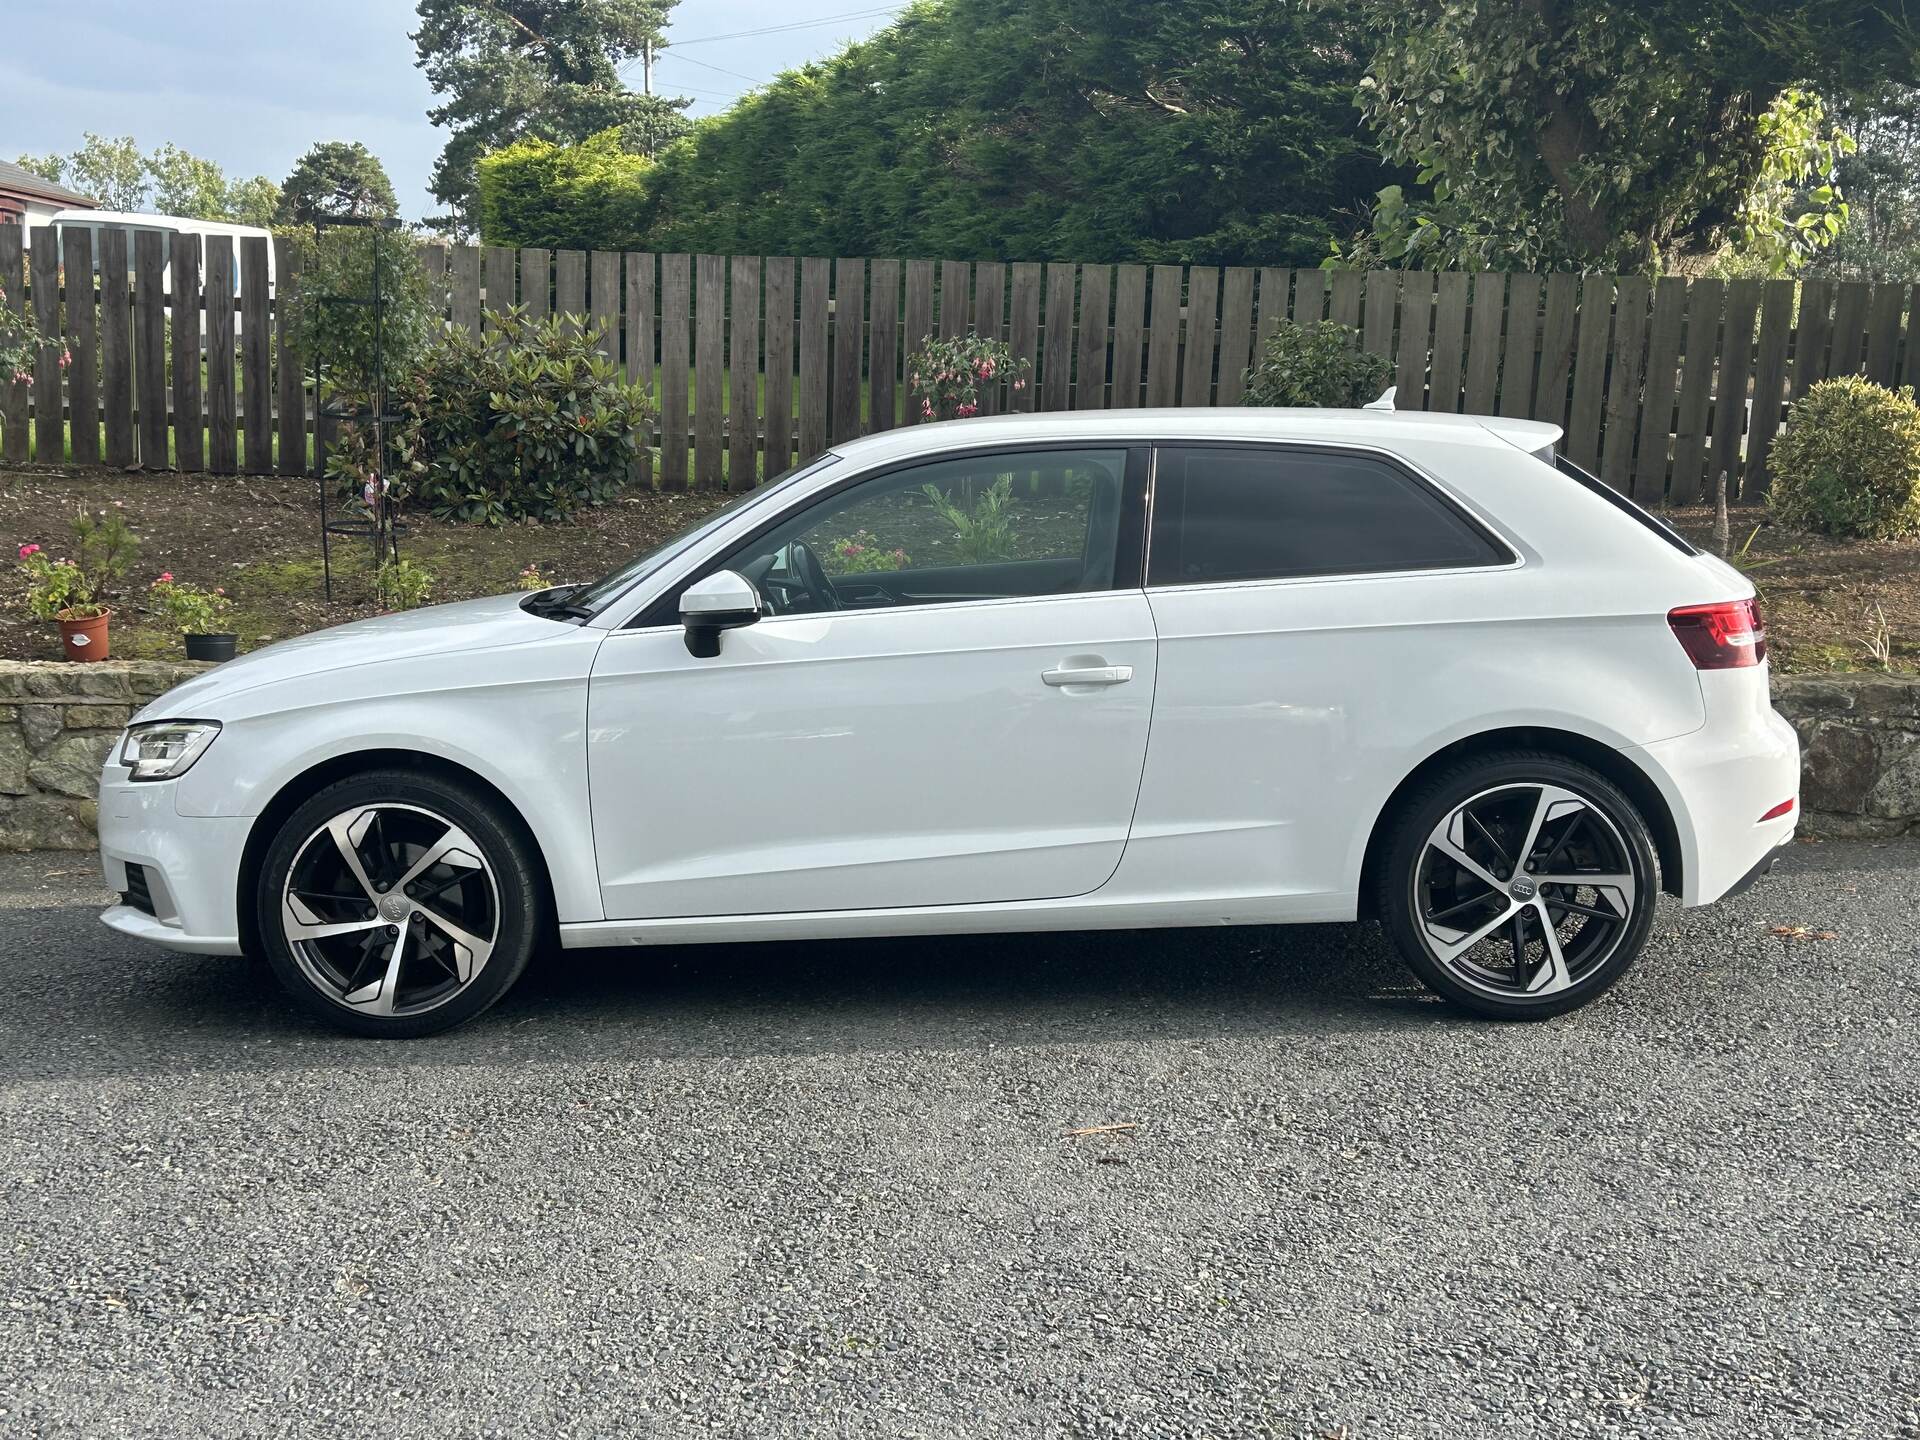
{"type": "Point", "coordinates": [1087, 675]}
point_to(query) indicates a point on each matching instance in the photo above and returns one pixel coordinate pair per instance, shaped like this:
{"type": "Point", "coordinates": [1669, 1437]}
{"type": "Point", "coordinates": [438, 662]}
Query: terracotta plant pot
{"type": "Point", "coordinates": [209, 647]}
{"type": "Point", "coordinates": [85, 639]}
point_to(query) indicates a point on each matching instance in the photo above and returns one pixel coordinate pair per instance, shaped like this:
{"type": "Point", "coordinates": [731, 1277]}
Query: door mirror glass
{"type": "Point", "coordinates": [724, 600]}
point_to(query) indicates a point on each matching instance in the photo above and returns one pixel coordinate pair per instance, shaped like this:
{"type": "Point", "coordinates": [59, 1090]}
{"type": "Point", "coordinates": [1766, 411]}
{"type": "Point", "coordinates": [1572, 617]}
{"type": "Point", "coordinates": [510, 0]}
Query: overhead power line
{"type": "Point", "coordinates": [793, 25]}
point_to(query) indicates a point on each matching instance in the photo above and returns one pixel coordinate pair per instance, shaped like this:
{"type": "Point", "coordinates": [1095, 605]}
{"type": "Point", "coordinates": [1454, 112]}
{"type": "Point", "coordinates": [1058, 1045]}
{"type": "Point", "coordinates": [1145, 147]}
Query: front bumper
{"type": "Point", "coordinates": [190, 865]}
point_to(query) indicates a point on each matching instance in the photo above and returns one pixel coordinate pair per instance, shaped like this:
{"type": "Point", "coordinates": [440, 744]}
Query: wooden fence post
{"type": "Point", "coordinates": [116, 347]}
{"type": "Point", "coordinates": [49, 434]}
{"type": "Point", "coordinates": [256, 355]}
{"type": "Point", "coordinates": [83, 397]}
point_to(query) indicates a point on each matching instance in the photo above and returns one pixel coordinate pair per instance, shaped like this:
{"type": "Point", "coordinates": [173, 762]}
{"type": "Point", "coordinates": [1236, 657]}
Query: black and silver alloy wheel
{"type": "Point", "coordinates": [398, 903]}
{"type": "Point", "coordinates": [1521, 885]}
{"type": "Point", "coordinates": [390, 908]}
{"type": "Point", "coordinates": [1524, 890]}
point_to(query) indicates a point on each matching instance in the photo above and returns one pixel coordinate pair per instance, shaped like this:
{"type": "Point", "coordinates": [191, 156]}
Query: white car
{"type": "Point", "coordinates": [1024, 673]}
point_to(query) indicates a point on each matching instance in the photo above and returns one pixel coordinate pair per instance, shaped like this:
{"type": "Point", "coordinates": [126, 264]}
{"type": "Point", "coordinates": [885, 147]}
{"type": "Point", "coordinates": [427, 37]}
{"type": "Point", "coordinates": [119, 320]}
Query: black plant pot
{"type": "Point", "coordinates": [209, 647]}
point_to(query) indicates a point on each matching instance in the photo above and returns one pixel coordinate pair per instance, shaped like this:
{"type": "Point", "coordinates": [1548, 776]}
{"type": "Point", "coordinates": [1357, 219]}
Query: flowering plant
{"type": "Point", "coordinates": [67, 589]}
{"type": "Point", "coordinates": [945, 376]}
{"type": "Point", "coordinates": [401, 585]}
{"type": "Point", "coordinates": [20, 343]}
{"type": "Point", "coordinates": [531, 579]}
{"type": "Point", "coordinates": [861, 553]}
{"type": "Point", "coordinates": [188, 608]}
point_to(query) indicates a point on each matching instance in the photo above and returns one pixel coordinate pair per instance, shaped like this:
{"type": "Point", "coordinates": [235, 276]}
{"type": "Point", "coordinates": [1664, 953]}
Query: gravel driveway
{"type": "Point", "coordinates": [823, 1189]}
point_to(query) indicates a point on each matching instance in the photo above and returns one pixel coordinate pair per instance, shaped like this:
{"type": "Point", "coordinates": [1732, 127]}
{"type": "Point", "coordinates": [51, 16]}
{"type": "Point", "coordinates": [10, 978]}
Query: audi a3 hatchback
{"type": "Point", "coordinates": [1023, 673]}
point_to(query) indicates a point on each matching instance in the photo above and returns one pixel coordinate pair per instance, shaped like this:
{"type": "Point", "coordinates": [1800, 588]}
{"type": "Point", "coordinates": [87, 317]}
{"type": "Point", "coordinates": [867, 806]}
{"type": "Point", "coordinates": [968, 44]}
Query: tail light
{"type": "Point", "coordinates": [1725, 636]}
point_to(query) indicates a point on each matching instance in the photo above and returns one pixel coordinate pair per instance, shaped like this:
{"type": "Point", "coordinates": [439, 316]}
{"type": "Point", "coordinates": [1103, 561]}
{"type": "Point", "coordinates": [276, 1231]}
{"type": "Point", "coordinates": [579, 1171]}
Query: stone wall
{"type": "Point", "coordinates": [1860, 751]}
{"type": "Point", "coordinates": [1860, 734]}
{"type": "Point", "coordinates": [56, 722]}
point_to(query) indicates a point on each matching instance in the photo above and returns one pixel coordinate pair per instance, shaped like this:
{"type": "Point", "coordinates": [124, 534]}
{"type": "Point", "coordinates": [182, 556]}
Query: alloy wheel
{"type": "Point", "coordinates": [390, 909]}
{"type": "Point", "coordinates": [1524, 890]}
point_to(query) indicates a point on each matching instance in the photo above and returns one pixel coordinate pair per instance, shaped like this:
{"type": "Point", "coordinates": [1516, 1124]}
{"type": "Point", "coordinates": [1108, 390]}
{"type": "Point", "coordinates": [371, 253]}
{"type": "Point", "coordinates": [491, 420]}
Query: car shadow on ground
{"type": "Point", "coordinates": [88, 1002]}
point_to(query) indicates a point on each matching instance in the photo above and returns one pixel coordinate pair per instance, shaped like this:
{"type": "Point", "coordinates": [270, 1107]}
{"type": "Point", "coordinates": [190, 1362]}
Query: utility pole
{"type": "Point", "coordinates": [646, 67]}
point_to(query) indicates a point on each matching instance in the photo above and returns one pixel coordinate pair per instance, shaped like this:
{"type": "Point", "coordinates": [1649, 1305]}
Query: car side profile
{"type": "Point", "coordinates": [1020, 673]}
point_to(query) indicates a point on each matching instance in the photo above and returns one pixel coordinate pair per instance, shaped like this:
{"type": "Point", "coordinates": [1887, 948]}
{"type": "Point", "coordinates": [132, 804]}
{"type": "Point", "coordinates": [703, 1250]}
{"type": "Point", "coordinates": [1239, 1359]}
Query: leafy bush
{"type": "Point", "coordinates": [401, 585]}
{"type": "Point", "coordinates": [341, 337]}
{"type": "Point", "coordinates": [188, 608]}
{"type": "Point", "coordinates": [531, 421]}
{"type": "Point", "coordinates": [1849, 463]}
{"type": "Point", "coordinates": [76, 589]}
{"type": "Point", "coordinates": [861, 554]}
{"type": "Point", "coordinates": [982, 531]}
{"type": "Point", "coordinates": [945, 375]}
{"type": "Point", "coordinates": [1320, 364]}
{"type": "Point", "coordinates": [588, 196]}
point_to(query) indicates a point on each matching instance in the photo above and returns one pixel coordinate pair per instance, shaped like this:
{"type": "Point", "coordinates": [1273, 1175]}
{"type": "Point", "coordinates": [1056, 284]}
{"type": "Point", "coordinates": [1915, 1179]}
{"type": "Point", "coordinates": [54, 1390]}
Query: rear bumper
{"type": "Point", "coordinates": [1718, 782]}
{"type": "Point", "coordinates": [191, 866]}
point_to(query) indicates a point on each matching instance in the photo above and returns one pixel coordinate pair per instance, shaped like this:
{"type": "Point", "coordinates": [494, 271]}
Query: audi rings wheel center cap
{"type": "Point", "coordinates": [395, 908]}
{"type": "Point", "coordinates": [1523, 888]}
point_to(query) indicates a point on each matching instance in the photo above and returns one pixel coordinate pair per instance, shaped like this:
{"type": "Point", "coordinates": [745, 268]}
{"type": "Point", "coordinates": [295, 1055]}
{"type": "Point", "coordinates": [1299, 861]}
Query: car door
{"type": "Point", "coordinates": [1318, 608]}
{"type": "Point", "coordinates": [946, 703]}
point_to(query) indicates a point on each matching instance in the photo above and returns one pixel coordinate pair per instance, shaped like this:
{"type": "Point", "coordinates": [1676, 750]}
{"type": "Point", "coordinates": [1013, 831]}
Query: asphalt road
{"type": "Point", "coordinates": [823, 1189]}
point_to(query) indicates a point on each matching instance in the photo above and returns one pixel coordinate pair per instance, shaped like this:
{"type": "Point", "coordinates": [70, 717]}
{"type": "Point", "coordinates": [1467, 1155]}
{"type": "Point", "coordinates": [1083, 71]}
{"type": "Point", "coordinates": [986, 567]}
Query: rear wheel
{"type": "Point", "coordinates": [1519, 885]}
{"type": "Point", "coordinates": [398, 904]}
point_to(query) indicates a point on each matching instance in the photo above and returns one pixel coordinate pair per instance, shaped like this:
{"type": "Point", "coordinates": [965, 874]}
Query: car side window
{"type": "Point", "coordinates": [998, 526]}
{"type": "Point", "coordinates": [1223, 513]}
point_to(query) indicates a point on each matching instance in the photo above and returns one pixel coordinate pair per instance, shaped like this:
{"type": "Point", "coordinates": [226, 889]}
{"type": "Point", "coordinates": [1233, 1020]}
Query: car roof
{"type": "Point", "coordinates": [1388, 429]}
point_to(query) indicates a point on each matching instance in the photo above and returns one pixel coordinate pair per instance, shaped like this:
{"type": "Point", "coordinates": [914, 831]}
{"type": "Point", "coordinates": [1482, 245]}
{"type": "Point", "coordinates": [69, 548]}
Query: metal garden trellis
{"type": "Point", "coordinates": [381, 527]}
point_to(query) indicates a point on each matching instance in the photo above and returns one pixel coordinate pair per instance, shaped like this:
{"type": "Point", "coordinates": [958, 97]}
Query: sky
{"type": "Point", "coordinates": [300, 73]}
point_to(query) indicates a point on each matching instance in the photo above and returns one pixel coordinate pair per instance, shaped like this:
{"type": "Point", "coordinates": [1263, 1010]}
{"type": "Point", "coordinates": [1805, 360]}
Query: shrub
{"type": "Point", "coordinates": [945, 376]}
{"type": "Point", "coordinates": [1320, 364]}
{"type": "Point", "coordinates": [188, 608]}
{"type": "Point", "coordinates": [862, 554]}
{"type": "Point", "coordinates": [401, 585]}
{"type": "Point", "coordinates": [531, 421]}
{"type": "Point", "coordinates": [1849, 462]}
{"type": "Point", "coordinates": [74, 589]}
{"type": "Point", "coordinates": [589, 196]}
{"type": "Point", "coordinates": [339, 263]}
{"type": "Point", "coordinates": [982, 531]}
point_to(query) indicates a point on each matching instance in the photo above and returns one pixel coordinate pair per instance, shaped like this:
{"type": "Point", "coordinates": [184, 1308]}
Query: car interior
{"type": "Point", "coordinates": [980, 527]}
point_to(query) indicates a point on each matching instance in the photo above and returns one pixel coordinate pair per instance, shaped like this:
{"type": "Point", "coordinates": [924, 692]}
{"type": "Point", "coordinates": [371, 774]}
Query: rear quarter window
{"type": "Point", "coordinates": [1224, 513]}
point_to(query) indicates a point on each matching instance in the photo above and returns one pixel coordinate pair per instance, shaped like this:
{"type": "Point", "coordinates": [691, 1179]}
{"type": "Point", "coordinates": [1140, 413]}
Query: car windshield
{"type": "Point", "coordinates": [591, 598]}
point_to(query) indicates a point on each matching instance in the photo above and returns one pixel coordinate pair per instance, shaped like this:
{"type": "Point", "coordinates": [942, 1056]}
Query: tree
{"type": "Point", "coordinates": [540, 69]}
{"type": "Point", "coordinates": [336, 177]}
{"type": "Point", "coordinates": [111, 171]}
{"type": "Point", "coordinates": [187, 185]}
{"type": "Point", "coordinates": [1028, 129]}
{"type": "Point", "coordinates": [1596, 133]}
{"type": "Point", "coordinates": [1881, 180]}
{"type": "Point", "coordinates": [583, 196]}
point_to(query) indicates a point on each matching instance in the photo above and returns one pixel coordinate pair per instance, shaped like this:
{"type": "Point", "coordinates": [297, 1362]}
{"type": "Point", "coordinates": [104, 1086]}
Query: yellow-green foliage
{"type": "Point", "coordinates": [591, 195]}
{"type": "Point", "coordinates": [1849, 463]}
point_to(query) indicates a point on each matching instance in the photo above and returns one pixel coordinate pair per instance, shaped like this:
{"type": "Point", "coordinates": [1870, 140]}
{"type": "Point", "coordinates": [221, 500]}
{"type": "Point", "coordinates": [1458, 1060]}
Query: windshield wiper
{"type": "Point", "coordinates": [554, 604]}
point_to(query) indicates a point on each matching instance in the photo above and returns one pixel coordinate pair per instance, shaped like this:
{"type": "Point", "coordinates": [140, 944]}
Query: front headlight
{"type": "Point", "coordinates": [166, 748]}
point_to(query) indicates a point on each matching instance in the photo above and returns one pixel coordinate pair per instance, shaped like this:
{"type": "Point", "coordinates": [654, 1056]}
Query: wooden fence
{"type": "Point", "coordinates": [759, 363]}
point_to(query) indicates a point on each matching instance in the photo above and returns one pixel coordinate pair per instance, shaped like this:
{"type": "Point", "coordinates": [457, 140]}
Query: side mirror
{"type": "Point", "coordinates": [725, 600]}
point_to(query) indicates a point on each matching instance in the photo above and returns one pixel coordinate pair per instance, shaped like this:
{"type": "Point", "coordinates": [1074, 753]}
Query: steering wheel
{"type": "Point", "coordinates": [812, 576]}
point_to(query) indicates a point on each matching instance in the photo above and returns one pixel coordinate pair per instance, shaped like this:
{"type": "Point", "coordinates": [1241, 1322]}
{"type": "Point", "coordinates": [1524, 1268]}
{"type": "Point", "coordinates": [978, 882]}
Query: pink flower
{"type": "Point", "coordinates": [926, 409]}
{"type": "Point", "coordinates": [1019, 384]}
{"type": "Point", "coordinates": [967, 409]}
{"type": "Point", "coordinates": [66, 358]}
{"type": "Point", "coordinates": [26, 550]}
{"type": "Point", "coordinates": [166, 579]}
{"type": "Point", "coordinates": [220, 590]}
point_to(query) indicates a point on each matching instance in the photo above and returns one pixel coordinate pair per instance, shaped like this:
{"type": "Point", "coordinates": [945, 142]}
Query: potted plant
{"type": "Point", "coordinates": [196, 614]}
{"type": "Point", "coordinates": [74, 592]}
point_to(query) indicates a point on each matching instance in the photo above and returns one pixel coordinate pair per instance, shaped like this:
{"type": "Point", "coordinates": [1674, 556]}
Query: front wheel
{"type": "Point", "coordinates": [1519, 885]}
{"type": "Point", "coordinates": [398, 904]}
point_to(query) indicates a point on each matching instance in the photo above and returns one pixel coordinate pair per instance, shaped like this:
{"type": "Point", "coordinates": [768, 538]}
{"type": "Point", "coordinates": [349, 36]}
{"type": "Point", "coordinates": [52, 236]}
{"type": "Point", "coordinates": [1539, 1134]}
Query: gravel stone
{"type": "Point", "coordinates": [822, 1189]}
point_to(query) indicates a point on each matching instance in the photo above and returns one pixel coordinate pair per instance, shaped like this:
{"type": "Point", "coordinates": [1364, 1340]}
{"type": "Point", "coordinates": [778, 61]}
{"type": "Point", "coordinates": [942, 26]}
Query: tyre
{"type": "Point", "coordinates": [1519, 885]}
{"type": "Point", "coordinates": [399, 904]}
